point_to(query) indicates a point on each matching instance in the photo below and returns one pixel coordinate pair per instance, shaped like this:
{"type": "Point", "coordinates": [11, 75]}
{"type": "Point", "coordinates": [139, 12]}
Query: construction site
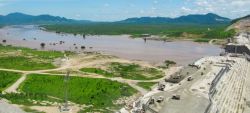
{"type": "Point", "coordinates": [215, 84]}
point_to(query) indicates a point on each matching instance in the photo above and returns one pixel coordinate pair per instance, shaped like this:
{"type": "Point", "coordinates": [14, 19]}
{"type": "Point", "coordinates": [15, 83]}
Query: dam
{"type": "Point", "coordinates": [221, 84]}
{"type": "Point", "coordinates": [242, 45]}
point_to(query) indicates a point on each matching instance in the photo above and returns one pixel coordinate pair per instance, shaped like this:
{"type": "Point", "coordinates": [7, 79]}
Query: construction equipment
{"type": "Point", "coordinates": [161, 87]}
{"type": "Point", "coordinates": [160, 99]}
{"type": "Point", "coordinates": [176, 97]}
{"type": "Point", "coordinates": [190, 79]}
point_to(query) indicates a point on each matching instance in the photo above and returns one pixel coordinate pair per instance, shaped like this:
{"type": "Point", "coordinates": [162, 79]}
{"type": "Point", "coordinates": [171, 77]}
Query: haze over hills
{"type": "Point", "coordinates": [209, 18]}
{"type": "Point", "coordinates": [20, 18]}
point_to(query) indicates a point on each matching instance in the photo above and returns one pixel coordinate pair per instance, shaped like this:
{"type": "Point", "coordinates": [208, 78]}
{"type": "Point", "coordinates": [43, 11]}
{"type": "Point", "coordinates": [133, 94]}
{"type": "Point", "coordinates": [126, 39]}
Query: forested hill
{"type": "Point", "coordinates": [20, 18]}
{"type": "Point", "coordinates": [209, 18]}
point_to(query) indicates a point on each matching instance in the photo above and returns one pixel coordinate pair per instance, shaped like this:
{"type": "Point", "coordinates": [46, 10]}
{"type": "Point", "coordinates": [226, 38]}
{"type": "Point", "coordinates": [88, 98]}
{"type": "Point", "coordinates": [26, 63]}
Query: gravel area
{"type": "Point", "coordinates": [8, 108]}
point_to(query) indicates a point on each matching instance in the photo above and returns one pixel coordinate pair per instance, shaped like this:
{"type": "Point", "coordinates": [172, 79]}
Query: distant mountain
{"type": "Point", "coordinates": [209, 18]}
{"type": "Point", "coordinates": [142, 20]}
{"type": "Point", "coordinates": [20, 18]}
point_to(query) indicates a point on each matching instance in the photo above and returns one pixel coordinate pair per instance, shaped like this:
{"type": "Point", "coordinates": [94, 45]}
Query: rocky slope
{"type": "Point", "coordinates": [241, 24]}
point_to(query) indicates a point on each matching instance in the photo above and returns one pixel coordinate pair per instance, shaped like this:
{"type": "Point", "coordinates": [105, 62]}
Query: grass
{"type": "Point", "coordinates": [169, 30]}
{"type": "Point", "coordinates": [128, 71]}
{"type": "Point", "coordinates": [146, 85]}
{"type": "Point", "coordinates": [7, 79]}
{"type": "Point", "coordinates": [134, 71]}
{"type": "Point", "coordinates": [97, 71]}
{"type": "Point", "coordinates": [97, 92]}
{"type": "Point", "coordinates": [23, 63]}
{"type": "Point", "coordinates": [27, 109]}
{"type": "Point", "coordinates": [27, 59]}
{"type": "Point", "coordinates": [93, 110]}
{"type": "Point", "coordinates": [219, 33]}
{"type": "Point", "coordinates": [216, 34]}
{"type": "Point", "coordinates": [32, 52]}
{"type": "Point", "coordinates": [166, 64]}
{"type": "Point", "coordinates": [27, 98]}
{"type": "Point", "coordinates": [202, 40]}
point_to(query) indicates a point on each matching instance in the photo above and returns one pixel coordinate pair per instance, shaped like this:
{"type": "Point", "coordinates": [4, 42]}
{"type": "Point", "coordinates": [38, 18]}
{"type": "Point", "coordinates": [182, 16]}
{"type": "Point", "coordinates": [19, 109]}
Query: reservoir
{"type": "Point", "coordinates": [152, 51]}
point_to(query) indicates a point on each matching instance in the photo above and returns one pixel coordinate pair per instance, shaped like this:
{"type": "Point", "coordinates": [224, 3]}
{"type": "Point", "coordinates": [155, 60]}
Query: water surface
{"type": "Point", "coordinates": [183, 52]}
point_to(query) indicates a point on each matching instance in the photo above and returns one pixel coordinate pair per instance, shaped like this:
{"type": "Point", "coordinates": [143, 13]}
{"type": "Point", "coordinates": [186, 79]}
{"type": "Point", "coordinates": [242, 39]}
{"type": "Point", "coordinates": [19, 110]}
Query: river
{"type": "Point", "coordinates": [152, 51]}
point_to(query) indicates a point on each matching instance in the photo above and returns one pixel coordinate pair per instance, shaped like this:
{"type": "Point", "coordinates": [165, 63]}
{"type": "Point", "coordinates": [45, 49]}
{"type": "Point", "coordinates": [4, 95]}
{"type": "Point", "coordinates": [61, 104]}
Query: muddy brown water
{"type": "Point", "coordinates": [182, 52]}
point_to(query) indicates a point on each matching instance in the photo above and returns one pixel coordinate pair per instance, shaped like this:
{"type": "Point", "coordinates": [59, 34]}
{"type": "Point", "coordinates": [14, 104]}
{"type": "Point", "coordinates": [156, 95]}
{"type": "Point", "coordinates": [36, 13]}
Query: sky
{"type": "Point", "coordinates": [113, 10]}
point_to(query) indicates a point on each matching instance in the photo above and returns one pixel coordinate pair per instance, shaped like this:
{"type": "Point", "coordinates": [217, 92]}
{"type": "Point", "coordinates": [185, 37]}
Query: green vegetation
{"type": "Point", "coordinates": [97, 71]}
{"type": "Point", "coordinates": [7, 78]}
{"type": "Point", "coordinates": [29, 98]}
{"type": "Point", "coordinates": [219, 34]}
{"type": "Point", "coordinates": [128, 71]}
{"type": "Point", "coordinates": [134, 71]}
{"type": "Point", "coordinates": [146, 85]}
{"type": "Point", "coordinates": [167, 64]}
{"type": "Point", "coordinates": [93, 110]}
{"type": "Point", "coordinates": [216, 34]}
{"type": "Point", "coordinates": [166, 30]}
{"type": "Point", "coordinates": [202, 40]}
{"type": "Point", "coordinates": [100, 93]}
{"type": "Point", "coordinates": [27, 59]}
{"type": "Point", "coordinates": [31, 52]}
{"type": "Point", "coordinates": [132, 29]}
{"type": "Point", "coordinates": [27, 109]}
{"type": "Point", "coordinates": [23, 63]}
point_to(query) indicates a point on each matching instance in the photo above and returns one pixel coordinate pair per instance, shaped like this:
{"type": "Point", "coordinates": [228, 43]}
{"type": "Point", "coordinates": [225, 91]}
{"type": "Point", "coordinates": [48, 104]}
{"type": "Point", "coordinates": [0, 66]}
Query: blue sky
{"type": "Point", "coordinates": [111, 10]}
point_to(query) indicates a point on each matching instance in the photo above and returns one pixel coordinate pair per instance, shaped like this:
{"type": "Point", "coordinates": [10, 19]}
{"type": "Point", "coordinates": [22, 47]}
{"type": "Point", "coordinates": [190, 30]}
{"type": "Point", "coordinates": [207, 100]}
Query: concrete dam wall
{"type": "Point", "coordinates": [240, 49]}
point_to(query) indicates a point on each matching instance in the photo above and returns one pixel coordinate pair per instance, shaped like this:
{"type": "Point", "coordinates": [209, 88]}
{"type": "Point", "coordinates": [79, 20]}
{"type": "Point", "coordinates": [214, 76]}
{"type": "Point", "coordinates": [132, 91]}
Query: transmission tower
{"type": "Point", "coordinates": [65, 107]}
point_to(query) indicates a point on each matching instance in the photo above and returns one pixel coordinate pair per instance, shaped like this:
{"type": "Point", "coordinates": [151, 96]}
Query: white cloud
{"type": "Point", "coordinates": [202, 3]}
{"type": "Point", "coordinates": [240, 3]}
{"type": "Point", "coordinates": [185, 9]}
{"type": "Point", "coordinates": [228, 8]}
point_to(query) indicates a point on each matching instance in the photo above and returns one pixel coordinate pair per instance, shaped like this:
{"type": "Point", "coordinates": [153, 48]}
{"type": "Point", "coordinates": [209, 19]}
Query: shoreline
{"type": "Point", "coordinates": [150, 37]}
{"type": "Point", "coordinates": [152, 50]}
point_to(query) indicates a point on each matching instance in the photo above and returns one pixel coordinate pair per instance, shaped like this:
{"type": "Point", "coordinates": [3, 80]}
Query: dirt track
{"type": "Point", "coordinates": [77, 62]}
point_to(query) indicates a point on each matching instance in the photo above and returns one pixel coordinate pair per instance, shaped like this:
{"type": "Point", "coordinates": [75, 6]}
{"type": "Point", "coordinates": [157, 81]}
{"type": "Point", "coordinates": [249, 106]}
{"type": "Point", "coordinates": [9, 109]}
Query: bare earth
{"type": "Point", "coordinates": [74, 64]}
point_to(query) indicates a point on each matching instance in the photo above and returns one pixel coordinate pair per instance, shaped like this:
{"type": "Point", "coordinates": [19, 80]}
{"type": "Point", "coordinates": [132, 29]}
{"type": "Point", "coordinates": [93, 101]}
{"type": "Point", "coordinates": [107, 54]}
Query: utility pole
{"type": "Point", "coordinates": [65, 107]}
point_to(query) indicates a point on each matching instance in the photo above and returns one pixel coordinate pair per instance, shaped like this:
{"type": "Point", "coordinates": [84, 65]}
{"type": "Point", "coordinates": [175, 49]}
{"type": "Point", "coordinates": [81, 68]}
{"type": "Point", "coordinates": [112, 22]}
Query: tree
{"type": "Point", "coordinates": [42, 45]}
{"type": "Point", "coordinates": [4, 41]}
{"type": "Point", "coordinates": [83, 47]}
